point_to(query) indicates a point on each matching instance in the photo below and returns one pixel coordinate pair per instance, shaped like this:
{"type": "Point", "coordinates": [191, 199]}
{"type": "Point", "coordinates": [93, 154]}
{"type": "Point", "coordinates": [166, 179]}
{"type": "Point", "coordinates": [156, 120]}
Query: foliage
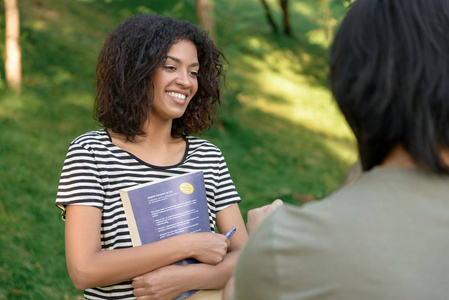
{"type": "Point", "coordinates": [280, 131]}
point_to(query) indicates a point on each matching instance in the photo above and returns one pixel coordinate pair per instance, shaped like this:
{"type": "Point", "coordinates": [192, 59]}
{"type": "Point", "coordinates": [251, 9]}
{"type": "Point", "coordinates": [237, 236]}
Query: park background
{"type": "Point", "coordinates": [280, 130]}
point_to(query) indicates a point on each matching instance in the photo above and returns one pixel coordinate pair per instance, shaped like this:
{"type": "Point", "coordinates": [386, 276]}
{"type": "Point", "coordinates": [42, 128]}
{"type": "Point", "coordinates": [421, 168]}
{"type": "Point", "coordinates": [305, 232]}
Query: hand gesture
{"type": "Point", "coordinates": [257, 215]}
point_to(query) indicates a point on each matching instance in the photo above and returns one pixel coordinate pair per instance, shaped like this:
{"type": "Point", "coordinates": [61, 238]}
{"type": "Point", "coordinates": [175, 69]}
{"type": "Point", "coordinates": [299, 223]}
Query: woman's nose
{"type": "Point", "coordinates": [183, 78]}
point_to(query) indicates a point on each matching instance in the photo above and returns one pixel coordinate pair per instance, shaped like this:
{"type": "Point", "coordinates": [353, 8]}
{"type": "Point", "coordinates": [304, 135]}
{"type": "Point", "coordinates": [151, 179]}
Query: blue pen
{"type": "Point", "coordinates": [231, 232]}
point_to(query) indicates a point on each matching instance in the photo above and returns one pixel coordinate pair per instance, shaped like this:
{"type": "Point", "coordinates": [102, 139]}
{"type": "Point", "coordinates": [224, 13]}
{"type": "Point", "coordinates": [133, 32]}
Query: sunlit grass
{"type": "Point", "coordinates": [278, 87]}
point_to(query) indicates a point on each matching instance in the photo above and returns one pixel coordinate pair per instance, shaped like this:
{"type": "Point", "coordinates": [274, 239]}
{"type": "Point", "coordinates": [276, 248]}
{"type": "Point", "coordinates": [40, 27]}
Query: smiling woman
{"type": "Point", "coordinates": [158, 81]}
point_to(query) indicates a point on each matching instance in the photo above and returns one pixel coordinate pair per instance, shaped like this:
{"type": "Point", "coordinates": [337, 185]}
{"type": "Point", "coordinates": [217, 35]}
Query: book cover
{"type": "Point", "coordinates": [161, 209]}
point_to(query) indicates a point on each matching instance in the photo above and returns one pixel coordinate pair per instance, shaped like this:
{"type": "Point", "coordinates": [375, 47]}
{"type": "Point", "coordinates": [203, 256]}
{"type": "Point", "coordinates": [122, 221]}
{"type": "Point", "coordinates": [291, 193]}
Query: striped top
{"type": "Point", "coordinates": [95, 170]}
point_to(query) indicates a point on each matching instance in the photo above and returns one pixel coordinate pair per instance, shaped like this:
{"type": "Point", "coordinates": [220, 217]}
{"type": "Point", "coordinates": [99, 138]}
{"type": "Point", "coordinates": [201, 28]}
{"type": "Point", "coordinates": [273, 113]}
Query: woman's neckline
{"type": "Point", "coordinates": [141, 161]}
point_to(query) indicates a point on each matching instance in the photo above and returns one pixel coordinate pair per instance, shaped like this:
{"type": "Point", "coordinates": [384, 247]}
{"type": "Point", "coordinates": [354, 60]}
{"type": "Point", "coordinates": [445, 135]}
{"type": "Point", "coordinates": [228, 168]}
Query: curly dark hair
{"type": "Point", "coordinates": [127, 61]}
{"type": "Point", "coordinates": [389, 75]}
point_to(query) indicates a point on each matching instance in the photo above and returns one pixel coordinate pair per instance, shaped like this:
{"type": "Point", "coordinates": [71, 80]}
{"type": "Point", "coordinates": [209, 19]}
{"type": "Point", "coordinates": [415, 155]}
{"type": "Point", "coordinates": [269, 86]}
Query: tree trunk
{"type": "Point", "coordinates": [269, 17]}
{"type": "Point", "coordinates": [13, 66]}
{"type": "Point", "coordinates": [204, 14]}
{"type": "Point", "coordinates": [287, 27]}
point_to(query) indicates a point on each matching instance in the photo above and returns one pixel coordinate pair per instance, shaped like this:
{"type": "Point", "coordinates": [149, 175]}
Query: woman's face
{"type": "Point", "coordinates": [175, 82]}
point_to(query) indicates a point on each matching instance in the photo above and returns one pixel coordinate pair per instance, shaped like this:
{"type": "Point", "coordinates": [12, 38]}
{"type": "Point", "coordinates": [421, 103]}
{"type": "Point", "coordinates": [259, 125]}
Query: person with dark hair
{"type": "Point", "coordinates": [158, 82]}
{"type": "Point", "coordinates": [385, 235]}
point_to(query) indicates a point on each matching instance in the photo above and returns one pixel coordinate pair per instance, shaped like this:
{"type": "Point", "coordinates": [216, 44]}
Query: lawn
{"type": "Point", "coordinates": [280, 131]}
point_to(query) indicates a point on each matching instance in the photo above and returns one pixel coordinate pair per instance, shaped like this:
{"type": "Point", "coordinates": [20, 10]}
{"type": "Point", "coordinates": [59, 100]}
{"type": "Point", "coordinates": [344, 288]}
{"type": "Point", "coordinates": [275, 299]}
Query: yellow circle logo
{"type": "Point", "coordinates": [186, 188]}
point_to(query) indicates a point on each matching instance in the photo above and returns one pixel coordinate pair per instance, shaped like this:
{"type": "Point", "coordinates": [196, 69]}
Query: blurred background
{"type": "Point", "coordinates": [280, 131]}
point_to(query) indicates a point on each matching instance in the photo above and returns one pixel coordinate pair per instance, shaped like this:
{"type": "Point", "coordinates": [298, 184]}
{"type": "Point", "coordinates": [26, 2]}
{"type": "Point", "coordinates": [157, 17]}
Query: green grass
{"type": "Point", "coordinates": [280, 131]}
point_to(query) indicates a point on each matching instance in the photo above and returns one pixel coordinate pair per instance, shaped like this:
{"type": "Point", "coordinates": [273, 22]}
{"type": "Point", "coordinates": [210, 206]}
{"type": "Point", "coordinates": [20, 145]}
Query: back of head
{"type": "Point", "coordinates": [390, 76]}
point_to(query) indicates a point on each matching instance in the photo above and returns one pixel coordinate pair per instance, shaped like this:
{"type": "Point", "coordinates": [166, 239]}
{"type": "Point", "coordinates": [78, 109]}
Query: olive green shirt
{"type": "Point", "coordinates": [384, 237]}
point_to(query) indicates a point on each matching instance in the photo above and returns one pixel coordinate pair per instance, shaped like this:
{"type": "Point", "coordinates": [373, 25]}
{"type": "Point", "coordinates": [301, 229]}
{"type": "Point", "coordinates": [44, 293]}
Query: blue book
{"type": "Point", "coordinates": [161, 209]}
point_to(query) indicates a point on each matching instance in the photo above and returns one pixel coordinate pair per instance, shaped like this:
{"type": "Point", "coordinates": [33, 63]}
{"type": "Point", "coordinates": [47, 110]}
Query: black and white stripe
{"type": "Point", "coordinates": [95, 170]}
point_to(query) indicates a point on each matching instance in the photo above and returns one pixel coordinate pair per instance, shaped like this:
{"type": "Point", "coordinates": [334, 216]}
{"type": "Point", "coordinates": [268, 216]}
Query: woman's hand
{"type": "Point", "coordinates": [165, 283]}
{"type": "Point", "coordinates": [208, 247]}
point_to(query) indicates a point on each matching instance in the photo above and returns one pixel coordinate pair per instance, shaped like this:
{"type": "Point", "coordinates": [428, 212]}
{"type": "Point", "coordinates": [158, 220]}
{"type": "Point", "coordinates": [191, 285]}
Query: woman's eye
{"type": "Point", "coordinates": [194, 73]}
{"type": "Point", "coordinates": [170, 68]}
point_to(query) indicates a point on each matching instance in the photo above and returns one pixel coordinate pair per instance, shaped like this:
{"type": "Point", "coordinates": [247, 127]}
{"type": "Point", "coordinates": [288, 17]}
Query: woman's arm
{"type": "Point", "coordinates": [89, 266]}
{"type": "Point", "coordinates": [171, 281]}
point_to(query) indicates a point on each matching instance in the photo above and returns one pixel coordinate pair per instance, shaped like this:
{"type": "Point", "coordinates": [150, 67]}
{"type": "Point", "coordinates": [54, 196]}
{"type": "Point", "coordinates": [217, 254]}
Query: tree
{"type": "Point", "coordinates": [268, 15]}
{"type": "Point", "coordinates": [13, 65]}
{"type": "Point", "coordinates": [204, 13]}
{"type": "Point", "coordinates": [287, 27]}
{"type": "Point", "coordinates": [285, 13]}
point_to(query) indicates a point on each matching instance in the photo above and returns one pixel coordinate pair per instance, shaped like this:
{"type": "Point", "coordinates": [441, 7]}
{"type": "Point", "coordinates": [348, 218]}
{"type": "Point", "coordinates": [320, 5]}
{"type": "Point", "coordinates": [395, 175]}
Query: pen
{"type": "Point", "coordinates": [231, 232]}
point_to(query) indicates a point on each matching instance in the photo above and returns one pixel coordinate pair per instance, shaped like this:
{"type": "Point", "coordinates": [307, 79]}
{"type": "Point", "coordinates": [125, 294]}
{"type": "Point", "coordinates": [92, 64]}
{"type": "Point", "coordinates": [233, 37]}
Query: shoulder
{"type": "Point", "coordinates": [92, 140]}
{"type": "Point", "coordinates": [313, 232]}
{"type": "Point", "coordinates": [287, 241]}
{"type": "Point", "coordinates": [301, 225]}
{"type": "Point", "coordinates": [197, 144]}
{"type": "Point", "coordinates": [330, 223]}
{"type": "Point", "coordinates": [290, 239]}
